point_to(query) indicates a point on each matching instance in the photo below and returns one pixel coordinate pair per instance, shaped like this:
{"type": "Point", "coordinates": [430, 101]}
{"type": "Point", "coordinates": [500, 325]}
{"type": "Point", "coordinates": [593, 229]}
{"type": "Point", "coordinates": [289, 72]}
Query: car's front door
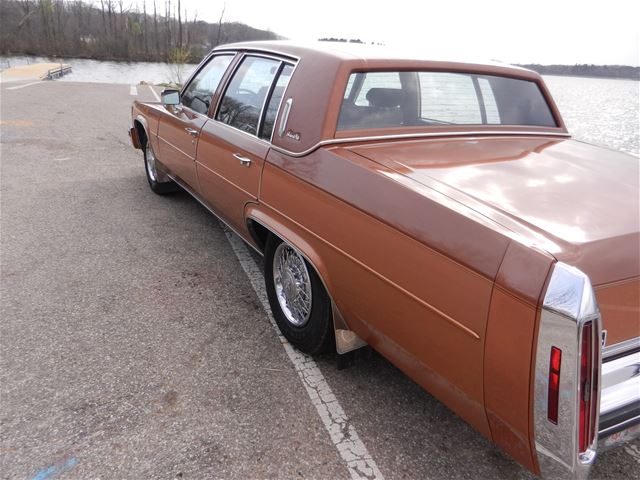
{"type": "Point", "coordinates": [181, 124]}
{"type": "Point", "coordinates": [234, 145]}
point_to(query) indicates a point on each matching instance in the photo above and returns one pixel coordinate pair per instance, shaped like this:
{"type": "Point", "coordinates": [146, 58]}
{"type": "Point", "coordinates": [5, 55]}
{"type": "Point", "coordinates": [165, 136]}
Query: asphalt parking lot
{"type": "Point", "coordinates": [134, 343]}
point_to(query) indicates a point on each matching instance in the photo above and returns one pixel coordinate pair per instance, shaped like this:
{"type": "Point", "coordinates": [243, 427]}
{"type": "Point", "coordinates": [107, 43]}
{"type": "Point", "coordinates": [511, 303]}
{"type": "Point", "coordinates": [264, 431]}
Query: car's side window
{"type": "Point", "coordinates": [274, 101]}
{"type": "Point", "coordinates": [197, 95]}
{"type": "Point", "coordinates": [243, 100]}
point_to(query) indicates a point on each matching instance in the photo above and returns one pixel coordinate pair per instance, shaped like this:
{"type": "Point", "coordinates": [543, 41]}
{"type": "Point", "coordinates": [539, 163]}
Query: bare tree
{"type": "Point", "coordinates": [113, 29]}
{"type": "Point", "coordinates": [145, 36]}
{"type": "Point", "coordinates": [224, 7]}
{"type": "Point", "coordinates": [155, 29]}
{"type": "Point", "coordinates": [179, 26]}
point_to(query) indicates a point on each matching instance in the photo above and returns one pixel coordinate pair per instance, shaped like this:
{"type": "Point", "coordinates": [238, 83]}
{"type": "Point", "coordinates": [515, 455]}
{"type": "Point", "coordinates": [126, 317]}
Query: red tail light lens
{"type": "Point", "coordinates": [555, 361]}
{"type": "Point", "coordinates": [588, 388]}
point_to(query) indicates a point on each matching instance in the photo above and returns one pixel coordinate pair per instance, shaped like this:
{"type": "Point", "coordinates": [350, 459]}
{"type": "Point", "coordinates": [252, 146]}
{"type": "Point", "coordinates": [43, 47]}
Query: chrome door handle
{"type": "Point", "coordinates": [244, 161]}
{"type": "Point", "coordinates": [191, 131]}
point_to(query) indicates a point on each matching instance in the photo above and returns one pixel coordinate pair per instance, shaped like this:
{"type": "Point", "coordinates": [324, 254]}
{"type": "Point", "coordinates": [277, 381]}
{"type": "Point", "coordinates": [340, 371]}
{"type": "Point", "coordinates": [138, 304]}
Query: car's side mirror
{"type": "Point", "coordinates": [170, 96]}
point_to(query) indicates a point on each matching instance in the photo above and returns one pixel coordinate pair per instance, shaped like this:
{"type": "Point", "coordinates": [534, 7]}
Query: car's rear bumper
{"type": "Point", "coordinates": [620, 395]}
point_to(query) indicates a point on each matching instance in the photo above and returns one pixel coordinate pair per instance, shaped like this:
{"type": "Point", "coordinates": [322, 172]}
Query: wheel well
{"type": "Point", "coordinates": [259, 233]}
{"type": "Point", "coordinates": [142, 135]}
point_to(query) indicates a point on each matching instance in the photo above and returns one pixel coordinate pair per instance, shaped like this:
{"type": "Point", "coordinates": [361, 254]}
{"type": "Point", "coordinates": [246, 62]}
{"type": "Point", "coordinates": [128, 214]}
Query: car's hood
{"type": "Point", "coordinates": [577, 201]}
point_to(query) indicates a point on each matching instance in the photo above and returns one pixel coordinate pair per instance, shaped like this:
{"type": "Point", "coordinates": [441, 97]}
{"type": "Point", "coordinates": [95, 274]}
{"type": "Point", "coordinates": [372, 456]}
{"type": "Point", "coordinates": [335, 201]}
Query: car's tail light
{"type": "Point", "coordinates": [567, 376]}
{"type": "Point", "coordinates": [588, 389]}
{"type": "Point", "coordinates": [555, 361]}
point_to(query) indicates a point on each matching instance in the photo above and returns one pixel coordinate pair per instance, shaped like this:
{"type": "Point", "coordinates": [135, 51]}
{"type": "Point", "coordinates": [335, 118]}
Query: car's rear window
{"type": "Point", "coordinates": [397, 99]}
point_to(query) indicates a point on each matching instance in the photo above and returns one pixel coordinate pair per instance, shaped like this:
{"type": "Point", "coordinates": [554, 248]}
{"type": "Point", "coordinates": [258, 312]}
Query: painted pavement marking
{"type": "Point", "coordinates": [634, 451]}
{"type": "Point", "coordinates": [342, 432]}
{"type": "Point", "coordinates": [23, 86]}
{"type": "Point", "coordinates": [133, 91]}
{"type": "Point", "coordinates": [155, 94]}
{"type": "Point", "coordinates": [53, 470]}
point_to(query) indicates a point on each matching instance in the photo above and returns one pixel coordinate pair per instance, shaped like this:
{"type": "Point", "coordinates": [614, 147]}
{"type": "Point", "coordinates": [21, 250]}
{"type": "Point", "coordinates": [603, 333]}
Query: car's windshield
{"type": "Point", "coordinates": [398, 99]}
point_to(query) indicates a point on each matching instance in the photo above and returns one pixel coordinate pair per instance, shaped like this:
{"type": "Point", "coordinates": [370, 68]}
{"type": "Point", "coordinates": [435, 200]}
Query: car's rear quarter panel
{"type": "Point", "coordinates": [419, 294]}
{"type": "Point", "coordinates": [509, 350]}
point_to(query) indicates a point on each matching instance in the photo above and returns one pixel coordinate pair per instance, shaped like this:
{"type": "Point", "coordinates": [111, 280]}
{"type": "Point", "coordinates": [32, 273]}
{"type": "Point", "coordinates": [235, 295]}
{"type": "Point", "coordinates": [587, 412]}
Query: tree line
{"type": "Point", "coordinates": [152, 30]}
{"type": "Point", "coordinates": [586, 70]}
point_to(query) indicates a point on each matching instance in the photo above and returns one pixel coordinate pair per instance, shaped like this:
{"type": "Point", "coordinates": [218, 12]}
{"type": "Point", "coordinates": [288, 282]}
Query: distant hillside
{"type": "Point", "coordinates": [160, 30]}
{"type": "Point", "coordinates": [606, 71]}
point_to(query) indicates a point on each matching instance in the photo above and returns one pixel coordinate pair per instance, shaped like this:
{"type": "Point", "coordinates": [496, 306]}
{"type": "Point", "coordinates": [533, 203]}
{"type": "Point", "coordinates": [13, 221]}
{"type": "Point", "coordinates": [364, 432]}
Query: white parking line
{"type": "Point", "coordinates": [342, 432]}
{"type": "Point", "coordinates": [23, 86]}
{"type": "Point", "coordinates": [634, 451]}
{"type": "Point", "coordinates": [133, 90]}
{"type": "Point", "coordinates": [154, 93]}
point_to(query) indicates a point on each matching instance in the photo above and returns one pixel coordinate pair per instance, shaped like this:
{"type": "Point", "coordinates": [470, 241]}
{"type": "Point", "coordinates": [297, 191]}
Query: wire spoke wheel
{"type": "Point", "coordinates": [299, 301]}
{"type": "Point", "coordinates": [150, 162]}
{"type": "Point", "coordinates": [159, 181]}
{"type": "Point", "coordinates": [292, 284]}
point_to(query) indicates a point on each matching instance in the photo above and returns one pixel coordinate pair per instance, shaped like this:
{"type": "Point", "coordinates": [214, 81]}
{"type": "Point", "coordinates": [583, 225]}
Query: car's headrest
{"type": "Point", "coordinates": [385, 97]}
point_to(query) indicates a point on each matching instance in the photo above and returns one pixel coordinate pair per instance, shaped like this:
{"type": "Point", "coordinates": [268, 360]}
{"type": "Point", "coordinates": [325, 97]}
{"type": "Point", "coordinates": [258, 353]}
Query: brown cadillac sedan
{"type": "Point", "coordinates": [436, 211]}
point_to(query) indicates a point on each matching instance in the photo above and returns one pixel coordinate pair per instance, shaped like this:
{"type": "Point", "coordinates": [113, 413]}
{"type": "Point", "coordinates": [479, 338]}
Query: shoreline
{"type": "Point", "coordinates": [597, 77]}
{"type": "Point", "coordinates": [120, 60]}
{"type": "Point", "coordinates": [84, 57]}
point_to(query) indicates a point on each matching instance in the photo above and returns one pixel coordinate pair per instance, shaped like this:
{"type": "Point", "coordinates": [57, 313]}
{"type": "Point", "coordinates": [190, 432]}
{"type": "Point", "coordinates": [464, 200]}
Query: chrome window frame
{"type": "Point", "coordinates": [284, 60]}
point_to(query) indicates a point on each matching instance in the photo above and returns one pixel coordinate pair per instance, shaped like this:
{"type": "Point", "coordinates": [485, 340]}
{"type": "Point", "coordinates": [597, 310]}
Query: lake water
{"type": "Point", "coordinates": [596, 110]}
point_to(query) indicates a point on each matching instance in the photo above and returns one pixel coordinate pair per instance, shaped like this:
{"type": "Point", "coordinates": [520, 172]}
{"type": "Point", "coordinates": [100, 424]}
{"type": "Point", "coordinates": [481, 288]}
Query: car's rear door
{"type": "Point", "coordinates": [180, 125]}
{"type": "Point", "coordinates": [235, 143]}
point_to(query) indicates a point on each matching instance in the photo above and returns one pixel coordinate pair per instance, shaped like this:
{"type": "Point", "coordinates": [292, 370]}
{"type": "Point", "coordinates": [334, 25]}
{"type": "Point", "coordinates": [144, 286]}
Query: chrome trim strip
{"type": "Point", "coordinates": [620, 383]}
{"type": "Point", "coordinates": [294, 65]}
{"type": "Point", "coordinates": [619, 348]}
{"type": "Point", "coordinates": [268, 97]}
{"type": "Point", "coordinates": [226, 86]}
{"type": "Point", "coordinates": [403, 136]}
{"type": "Point", "coordinates": [280, 53]}
{"type": "Point", "coordinates": [234, 129]}
{"type": "Point", "coordinates": [569, 303]}
{"type": "Point", "coordinates": [285, 116]}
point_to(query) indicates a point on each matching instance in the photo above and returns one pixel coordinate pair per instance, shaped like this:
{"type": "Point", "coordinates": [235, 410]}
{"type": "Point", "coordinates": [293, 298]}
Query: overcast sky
{"type": "Point", "coordinates": [516, 31]}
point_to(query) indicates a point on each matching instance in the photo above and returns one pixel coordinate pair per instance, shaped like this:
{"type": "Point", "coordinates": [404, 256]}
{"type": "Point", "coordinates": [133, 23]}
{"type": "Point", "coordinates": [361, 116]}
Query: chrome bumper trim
{"type": "Point", "coordinates": [620, 434]}
{"type": "Point", "coordinates": [620, 383]}
{"type": "Point", "coordinates": [621, 348]}
{"type": "Point", "coordinates": [619, 427]}
{"type": "Point", "coordinates": [620, 396]}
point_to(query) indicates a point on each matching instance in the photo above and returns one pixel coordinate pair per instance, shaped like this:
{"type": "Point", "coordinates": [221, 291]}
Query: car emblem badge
{"type": "Point", "coordinates": [293, 135]}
